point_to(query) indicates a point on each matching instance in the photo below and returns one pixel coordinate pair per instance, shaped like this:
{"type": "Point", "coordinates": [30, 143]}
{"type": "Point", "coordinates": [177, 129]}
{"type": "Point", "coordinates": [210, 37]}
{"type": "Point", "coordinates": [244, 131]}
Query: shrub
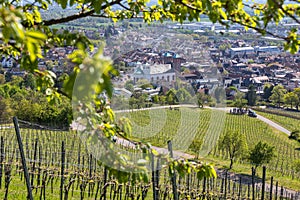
{"type": "Point", "coordinates": [295, 135]}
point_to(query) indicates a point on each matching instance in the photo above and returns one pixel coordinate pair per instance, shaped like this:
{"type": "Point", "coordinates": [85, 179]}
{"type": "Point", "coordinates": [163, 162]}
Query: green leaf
{"type": "Point", "coordinates": [31, 51]}
{"type": "Point", "coordinates": [64, 3]}
{"type": "Point", "coordinates": [36, 35]}
{"type": "Point", "coordinates": [223, 14]}
{"type": "Point", "coordinates": [97, 5]}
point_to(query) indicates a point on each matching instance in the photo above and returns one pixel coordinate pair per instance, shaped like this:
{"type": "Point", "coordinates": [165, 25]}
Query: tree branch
{"type": "Point", "coordinates": [287, 13]}
{"type": "Point", "coordinates": [260, 30]}
{"type": "Point", "coordinates": [254, 7]}
{"type": "Point", "coordinates": [297, 1]}
{"type": "Point", "coordinates": [191, 7]}
{"type": "Point", "coordinates": [78, 15]}
{"type": "Point", "coordinates": [68, 18]}
{"type": "Point", "coordinates": [123, 6]}
{"type": "Point", "coordinates": [99, 15]}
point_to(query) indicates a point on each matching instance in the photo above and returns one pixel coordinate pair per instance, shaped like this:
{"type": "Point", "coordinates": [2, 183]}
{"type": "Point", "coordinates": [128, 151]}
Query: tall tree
{"type": "Point", "coordinates": [278, 94]}
{"type": "Point", "coordinates": [29, 81]}
{"type": "Point", "coordinates": [2, 78]}
{"type": "Point", "coordinates": [183, 95]}
{"type": "Point", "coordinates": [291, 99]}
{"type": "Point", "coordinates": [223, 47]}
{"type": "Point", "coordinates": [297, 92]}
{"type": "Point", "coordinates": [267, 91]}
{"type": "Point", "coordinates": [239, 100]}
{"type": "Point", "coordinates": [251, 95]}
{"type": "Point", "coordinates": [6, 112]}
{"type": "Point", "coordinates": [234, 144]}
{"type": "Point", "coordinates": [203, 99]}
{"type": "Point", "coordinates": [220, 95]}
{"type": "Point", "coordinates": [262, 153]}
{"type": "Point", "coordinates": [171, 97]}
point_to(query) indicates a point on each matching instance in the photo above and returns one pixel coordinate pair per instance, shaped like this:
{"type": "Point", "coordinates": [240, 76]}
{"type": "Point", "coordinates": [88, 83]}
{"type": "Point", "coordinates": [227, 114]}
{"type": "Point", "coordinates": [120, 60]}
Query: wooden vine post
{"type": "Point", "coordinates": [26, 174]}
{"type": "Point", "coordinates": [62, 172]}
{"type": "Point", "coordinates": [173, 174]}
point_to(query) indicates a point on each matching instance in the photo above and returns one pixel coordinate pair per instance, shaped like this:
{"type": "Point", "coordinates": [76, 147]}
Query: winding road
{"type": "Point", "coordinates": [273, 124]}
{"type": "Point", "coordinates": [264, 119]}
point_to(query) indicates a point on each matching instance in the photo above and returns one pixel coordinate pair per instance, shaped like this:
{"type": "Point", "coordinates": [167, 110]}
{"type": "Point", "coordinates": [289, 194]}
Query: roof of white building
{"type": "Point", "coordinates": [138, 70]}
{"type": "Point", "coordinates": [242, 49]}
{"type": "Point", "coordinates": [154, 69]}
{"type": "Point", "coordinates": [159, 69]}
{"type": "Point", "coordinates": [261, 78]}
{"type": "Point", "coordinates": [199, 31]}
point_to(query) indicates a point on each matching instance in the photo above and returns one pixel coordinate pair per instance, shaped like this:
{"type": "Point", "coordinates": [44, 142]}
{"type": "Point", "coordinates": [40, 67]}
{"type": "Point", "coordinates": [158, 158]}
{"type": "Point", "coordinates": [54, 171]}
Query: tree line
{"type": "Point", "coordinates": [19, 97]}
{"type": "Point", "coordinates": [276, 96]}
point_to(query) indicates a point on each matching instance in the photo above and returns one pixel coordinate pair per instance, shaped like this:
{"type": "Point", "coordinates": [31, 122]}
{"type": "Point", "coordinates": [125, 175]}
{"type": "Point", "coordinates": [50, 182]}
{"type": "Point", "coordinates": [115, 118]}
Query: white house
{"type": "Point", "coordinates": [155, 73]}
{"type": "Point", "coordinates": [259, 82]}
{"type": "Point", "coordinates": [260, 79]}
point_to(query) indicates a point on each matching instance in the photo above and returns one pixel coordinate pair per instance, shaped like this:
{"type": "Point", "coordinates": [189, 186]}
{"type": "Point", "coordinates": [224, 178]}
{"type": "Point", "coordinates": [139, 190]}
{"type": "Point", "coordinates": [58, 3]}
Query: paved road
{"type": "Point", "coordinates": [266, 120]}
{"type": "Point", "coordinates": [273, 124]}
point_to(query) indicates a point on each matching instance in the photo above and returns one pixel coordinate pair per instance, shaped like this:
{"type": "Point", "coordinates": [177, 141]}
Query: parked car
{"type": "Point", "coordinates": [252, 113]}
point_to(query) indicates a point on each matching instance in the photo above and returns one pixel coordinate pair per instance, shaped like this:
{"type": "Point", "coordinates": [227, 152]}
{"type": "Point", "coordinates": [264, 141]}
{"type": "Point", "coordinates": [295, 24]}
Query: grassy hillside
{"type": "Point", "coordinates": [159, 126]}
{"type": "Point", "coordinates": [192, 130]}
